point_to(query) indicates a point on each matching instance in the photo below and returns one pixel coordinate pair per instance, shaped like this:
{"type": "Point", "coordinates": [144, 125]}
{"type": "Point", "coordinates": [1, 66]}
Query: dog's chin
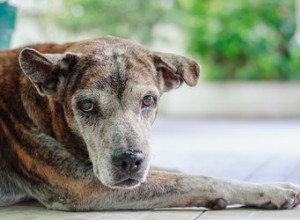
{"type": "Point", "coordinates": [125, 184]}
{"type": "Point", "coordinates": [120, 180]}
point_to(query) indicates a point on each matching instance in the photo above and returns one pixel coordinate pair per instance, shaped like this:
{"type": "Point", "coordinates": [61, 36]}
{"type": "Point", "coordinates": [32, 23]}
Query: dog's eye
{"type": "Point", "coordinates": [148, 101]}
{"type": "Point", "coordinates": [86, 105]}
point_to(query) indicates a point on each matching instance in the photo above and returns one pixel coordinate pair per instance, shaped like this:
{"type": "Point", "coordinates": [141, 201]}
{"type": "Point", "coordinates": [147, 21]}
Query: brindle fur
{"type": "Point", "coordinates": [53, 152]}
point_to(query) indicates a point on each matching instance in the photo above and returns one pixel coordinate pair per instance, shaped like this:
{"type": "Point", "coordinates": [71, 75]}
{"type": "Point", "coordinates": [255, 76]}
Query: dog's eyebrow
{"type": "Point", "coordinates": [146, 65]}
{"type": "Point", "coordinates": [85, 65]}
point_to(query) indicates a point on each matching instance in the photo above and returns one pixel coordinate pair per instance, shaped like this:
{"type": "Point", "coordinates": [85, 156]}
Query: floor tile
{"type": "Point", "coordinates": [34, 211]}
{"type": "Point", "coordinates": [251, 214]}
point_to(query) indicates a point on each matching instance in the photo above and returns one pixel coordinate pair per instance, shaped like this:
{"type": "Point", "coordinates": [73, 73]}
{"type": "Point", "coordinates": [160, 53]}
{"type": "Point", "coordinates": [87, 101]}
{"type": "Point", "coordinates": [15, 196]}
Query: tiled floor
{"type": "Point", "coordinates": [260, 151]}
{"type": "Point", "coordinates": [33, 211]}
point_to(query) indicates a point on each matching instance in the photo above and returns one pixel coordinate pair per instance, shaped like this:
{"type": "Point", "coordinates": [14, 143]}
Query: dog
{"type": "Point", "coordinates": [74, 126]}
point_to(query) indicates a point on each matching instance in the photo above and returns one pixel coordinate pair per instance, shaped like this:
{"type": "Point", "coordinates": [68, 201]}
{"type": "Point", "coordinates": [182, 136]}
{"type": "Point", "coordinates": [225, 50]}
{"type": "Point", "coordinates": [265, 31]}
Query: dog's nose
{"type": "Point", "coordinates": [129, 161]}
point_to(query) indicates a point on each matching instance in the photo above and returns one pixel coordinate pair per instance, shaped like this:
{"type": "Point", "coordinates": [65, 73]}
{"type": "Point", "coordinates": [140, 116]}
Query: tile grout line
{"type": "Point", "coordinates": [248, 177]}
{"type": "Point", "coordinates": [198, 216]}
{"type": "Point", "coordinates": [290, 174]}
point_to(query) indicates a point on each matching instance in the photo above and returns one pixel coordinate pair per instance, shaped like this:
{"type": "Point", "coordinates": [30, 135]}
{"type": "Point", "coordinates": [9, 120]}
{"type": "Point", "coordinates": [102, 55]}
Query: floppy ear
{"type": "Point", "coordinates": [174, 69]}
{"type": "Point", "coordinates": [47, 71]}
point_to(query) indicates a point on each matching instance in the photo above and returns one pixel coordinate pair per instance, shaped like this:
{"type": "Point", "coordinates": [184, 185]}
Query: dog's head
{"type": "Point", "coordinates": [110, 89]}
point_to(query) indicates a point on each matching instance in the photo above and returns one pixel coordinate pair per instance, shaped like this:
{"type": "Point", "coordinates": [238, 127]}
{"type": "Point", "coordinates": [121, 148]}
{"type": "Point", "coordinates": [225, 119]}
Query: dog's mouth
{"type": "Point", "coordinates": [127, 183]}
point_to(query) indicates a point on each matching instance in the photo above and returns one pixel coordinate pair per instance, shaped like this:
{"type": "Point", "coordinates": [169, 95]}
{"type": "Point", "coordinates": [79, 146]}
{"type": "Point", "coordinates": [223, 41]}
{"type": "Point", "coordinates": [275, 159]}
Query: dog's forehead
{"type": "Point", "coordinates": [105, 44]}
{"type": "Point", "coordinates": [114, 64]}
{"type": "Point", "coordinates": [98, 44]}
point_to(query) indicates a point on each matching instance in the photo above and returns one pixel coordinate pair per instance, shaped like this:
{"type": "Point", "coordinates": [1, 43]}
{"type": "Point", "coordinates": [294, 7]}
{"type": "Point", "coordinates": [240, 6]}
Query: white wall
{"type": "Point", "coordinates": [231, 99]}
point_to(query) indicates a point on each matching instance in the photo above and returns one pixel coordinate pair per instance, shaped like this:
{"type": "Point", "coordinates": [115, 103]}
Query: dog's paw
{"type": "Point", "coordinates": [279, 196]}
{"type": "Point", "coordinates": [217, 204]}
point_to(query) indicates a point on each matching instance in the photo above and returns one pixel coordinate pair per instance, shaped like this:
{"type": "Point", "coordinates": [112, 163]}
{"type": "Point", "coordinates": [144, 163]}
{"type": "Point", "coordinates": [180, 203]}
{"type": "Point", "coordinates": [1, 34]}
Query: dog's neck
{"type": "Point", "coordinates": [48, 117]}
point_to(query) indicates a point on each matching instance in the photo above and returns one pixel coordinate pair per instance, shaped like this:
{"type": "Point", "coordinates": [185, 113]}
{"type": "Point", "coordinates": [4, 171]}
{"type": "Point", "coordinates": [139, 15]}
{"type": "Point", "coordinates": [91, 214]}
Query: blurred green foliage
{"type": "Point", "coordinates": [234, 40]}
{"type": "Point", "coordinates": [244, 39]}
{"type": "Point", "coordinates": [129, 18]}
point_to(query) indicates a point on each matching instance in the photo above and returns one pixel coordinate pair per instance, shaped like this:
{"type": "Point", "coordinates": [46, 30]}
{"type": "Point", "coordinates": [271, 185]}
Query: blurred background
{"type": "Point", "coordinates": [244, 116]}
{"type": "Point", "coordinates": [249, 49]}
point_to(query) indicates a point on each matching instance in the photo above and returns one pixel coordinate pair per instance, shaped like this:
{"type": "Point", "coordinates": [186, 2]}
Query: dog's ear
{"type": "Point", "coordinates": [47, 72]}
{"type": "Point", "coordinates": [174, 69]}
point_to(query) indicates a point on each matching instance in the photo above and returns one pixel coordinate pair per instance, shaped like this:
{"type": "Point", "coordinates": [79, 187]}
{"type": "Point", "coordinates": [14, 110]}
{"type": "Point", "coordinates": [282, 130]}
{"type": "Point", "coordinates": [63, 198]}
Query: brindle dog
{"type": "Point", "coordinates": [74, 123]}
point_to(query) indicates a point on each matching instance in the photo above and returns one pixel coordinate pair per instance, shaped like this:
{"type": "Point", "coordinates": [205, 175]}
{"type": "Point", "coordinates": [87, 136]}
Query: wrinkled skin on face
{"type": "Point", "coordinates": [118, 120]}
{"type": "Point", "coordinates": [109, 90]}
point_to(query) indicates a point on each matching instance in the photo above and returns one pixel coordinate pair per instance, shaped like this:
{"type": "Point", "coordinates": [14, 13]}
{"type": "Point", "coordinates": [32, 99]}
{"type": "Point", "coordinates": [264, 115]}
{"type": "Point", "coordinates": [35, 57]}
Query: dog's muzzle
{"type": "Point", "coordinates": [128, 167]}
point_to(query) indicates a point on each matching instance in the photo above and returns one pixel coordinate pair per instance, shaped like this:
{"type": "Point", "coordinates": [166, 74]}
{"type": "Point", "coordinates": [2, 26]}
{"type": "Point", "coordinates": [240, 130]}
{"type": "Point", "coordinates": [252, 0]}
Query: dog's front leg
{"type": "Point", "coordinates": [164, 189]}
